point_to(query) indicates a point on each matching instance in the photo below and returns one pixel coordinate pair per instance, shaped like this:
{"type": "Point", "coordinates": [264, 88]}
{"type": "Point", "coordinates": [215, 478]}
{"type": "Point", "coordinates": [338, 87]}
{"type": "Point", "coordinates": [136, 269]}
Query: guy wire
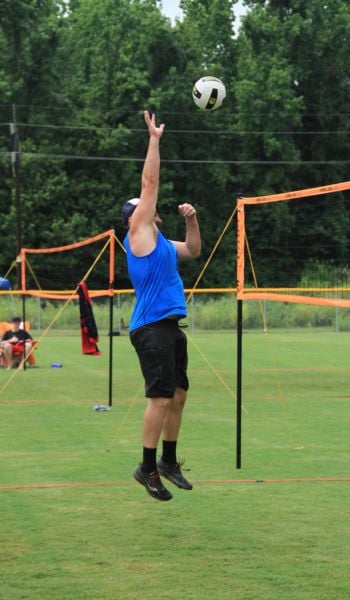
{"type": "Point", "coordinates": [226, 386]}
{"type": "Point", "coordinates": [229, 221]}
{"type": "Point", "coordinates": [121, 424]}
{"type": "Point", "coordinates": [33, 274]}
{"type": "Point", "coordinates": [255, 282]}
{"type": "Point", "coordinates": [281, 395]}
{"type": "Point", "coordinates": [211, 255]}
{"type": "Point", "coordinates": [13, 264]}
{"type": "Point", "coordinates": [119, 242]}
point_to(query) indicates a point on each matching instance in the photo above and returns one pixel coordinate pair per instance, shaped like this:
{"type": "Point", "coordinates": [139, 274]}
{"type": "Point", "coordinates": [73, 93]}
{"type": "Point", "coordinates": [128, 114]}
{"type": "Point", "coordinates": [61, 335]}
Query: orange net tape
{"type": "Point", "coordinates": [241, 240]}
{"type": "Point", "coordinates": [24, 251]}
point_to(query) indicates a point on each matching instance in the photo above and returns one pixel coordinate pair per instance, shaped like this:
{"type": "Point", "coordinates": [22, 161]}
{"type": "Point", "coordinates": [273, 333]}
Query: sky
{"type": "Point", "coordinates": [171, 9]}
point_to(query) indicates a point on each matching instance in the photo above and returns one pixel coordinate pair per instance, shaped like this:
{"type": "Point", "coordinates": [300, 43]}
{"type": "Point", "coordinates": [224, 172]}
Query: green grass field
{"type": "Point", "coordinates": [76, 526]}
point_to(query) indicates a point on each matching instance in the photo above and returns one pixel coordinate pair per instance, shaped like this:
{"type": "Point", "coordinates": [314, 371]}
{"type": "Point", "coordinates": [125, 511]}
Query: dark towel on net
{"type": "Point", "coordinates": [88, 329]}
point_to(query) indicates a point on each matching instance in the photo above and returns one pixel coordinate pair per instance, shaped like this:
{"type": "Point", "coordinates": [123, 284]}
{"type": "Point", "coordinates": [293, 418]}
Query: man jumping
{"type": "Point", "coordinates": [160, 344]}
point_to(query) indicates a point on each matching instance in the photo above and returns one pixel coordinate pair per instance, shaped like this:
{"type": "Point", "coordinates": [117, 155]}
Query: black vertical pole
{"type": "Point", "coordinates": [239, 384]}
{"type": "Point", "coordinates": [110, 377]}
{"type": "Point", "coordinates": [111, 306]}
{"type": "Point", "coordinates": [15, 172]}
{"type": "Point", "coordinates": [24, 326]}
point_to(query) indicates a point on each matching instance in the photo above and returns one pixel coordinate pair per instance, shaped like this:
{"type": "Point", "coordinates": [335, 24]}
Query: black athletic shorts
{"type": "Point", "coordinates": [162, 351]}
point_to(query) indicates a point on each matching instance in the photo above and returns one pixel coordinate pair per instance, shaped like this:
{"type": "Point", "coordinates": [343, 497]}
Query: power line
{"type": "Point", "coordinates": [182, 131]}
{"type": "Point", "coordinates": [179, 161]}
{"type": "Point", "coordinates": [192, 113]}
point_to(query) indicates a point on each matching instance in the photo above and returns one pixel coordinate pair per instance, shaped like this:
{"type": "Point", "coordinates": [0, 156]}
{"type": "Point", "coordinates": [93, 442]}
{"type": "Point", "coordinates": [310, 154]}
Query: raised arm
{"type": "Point", "coordinates": [191, 247]}
{"type": "Point", "coordinates": [142, 234]}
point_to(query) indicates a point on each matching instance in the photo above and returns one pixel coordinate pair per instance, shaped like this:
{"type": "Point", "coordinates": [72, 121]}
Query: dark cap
{"type": "Point", "coordinates": [16, 320]}
{"type": "Point", "coordinates": [128, 209]}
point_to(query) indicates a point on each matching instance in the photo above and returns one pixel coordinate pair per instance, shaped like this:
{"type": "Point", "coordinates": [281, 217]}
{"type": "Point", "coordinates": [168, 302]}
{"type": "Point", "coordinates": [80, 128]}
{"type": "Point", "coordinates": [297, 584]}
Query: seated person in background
{"type": "Point", "coordinates": [13, 341]}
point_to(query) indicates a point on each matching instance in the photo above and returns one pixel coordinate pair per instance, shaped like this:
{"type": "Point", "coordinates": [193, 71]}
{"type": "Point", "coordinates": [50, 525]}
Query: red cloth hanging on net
{"type": "Point", "coordinates": [88, 329]}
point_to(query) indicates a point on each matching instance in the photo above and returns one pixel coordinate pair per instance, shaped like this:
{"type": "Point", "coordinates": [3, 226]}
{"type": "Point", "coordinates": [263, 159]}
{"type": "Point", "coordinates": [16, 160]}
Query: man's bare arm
{"type": "Point", "coordinates": [191, 247]}
{"type": "Point", "coordinates": [142, 230]}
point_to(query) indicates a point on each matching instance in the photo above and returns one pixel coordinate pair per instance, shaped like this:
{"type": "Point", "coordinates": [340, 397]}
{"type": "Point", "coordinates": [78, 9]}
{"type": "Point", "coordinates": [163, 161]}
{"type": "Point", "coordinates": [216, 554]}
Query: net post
{"type": "Point", "coordinates": [110, 374]}
{"type": "Point", "coordinates": [111, 307]}
{"type": "Point", "coordinates": [24, 326]}
{"type": "Point", "coordinates": [239, 385]}
{"type": "Point", "coordinates": [240, 288]}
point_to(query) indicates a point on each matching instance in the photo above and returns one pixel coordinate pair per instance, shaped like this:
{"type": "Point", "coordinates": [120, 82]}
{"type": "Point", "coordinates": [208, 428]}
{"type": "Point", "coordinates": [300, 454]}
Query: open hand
{"type": "Point", "coordinates": [152, 127]}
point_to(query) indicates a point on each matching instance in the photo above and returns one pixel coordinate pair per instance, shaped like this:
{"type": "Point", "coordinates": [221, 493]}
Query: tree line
{"type": "Point", "coordinates": [75, 77]}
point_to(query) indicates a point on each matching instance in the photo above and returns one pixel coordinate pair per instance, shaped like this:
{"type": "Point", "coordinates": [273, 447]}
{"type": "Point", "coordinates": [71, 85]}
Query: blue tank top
{"type": "Point", "coordinates": [157, 283]}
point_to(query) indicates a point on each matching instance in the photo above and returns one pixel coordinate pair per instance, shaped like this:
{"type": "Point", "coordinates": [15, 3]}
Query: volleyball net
{"type": "Point", "coordinates": [291, 247]}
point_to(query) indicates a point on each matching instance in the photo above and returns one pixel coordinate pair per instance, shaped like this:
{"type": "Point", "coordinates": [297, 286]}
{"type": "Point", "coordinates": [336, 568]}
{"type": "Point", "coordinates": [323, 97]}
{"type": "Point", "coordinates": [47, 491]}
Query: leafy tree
{"type": "Point", "coordinates": [29, 37]}
{"type": "Point", "coordinates": [81, 72]}
{"type": "Point", "coordinates": [292, 100]}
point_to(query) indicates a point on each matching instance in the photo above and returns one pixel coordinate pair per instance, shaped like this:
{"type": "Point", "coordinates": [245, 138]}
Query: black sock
{"type": "Point", "coordinates": [149, 463]}
{"type": "Point", "coordinates": [169, 452]}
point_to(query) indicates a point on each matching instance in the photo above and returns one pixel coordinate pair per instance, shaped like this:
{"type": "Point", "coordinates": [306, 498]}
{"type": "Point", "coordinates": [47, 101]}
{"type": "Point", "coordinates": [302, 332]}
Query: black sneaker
{"type": "Point", "coordinates": [173, 473]}
{"type": "Point", "coordinates": [153, 484]}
